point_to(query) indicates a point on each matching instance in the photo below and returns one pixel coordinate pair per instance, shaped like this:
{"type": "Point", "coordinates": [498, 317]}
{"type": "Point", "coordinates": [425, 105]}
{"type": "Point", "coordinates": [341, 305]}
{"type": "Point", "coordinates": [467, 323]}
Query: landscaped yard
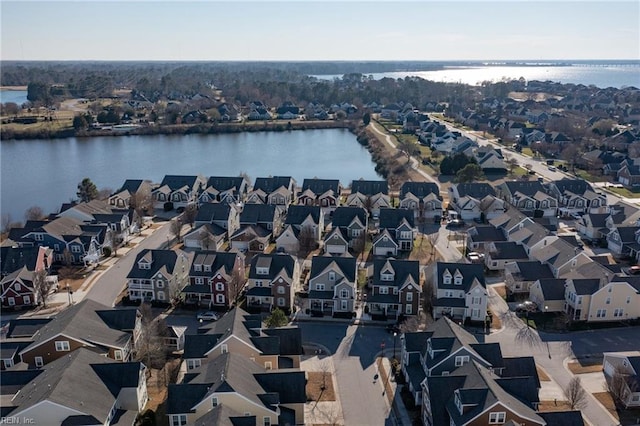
{"type": "Point", "coordinates": [578, 368]}
{"type": "Point", "coordinates": [547, 406]}
{"type": "Point", "coordinates": [624, 192]}
{"type": "Point", "coordinates": [315, 384]}
{"type": "Point", "coordinates": [542, 375]}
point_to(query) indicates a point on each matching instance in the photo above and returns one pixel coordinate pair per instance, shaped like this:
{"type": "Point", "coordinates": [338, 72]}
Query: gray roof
{"type": "Point", "coordinates": [175, 182]}
{"type": "Point", "coordinates": [392, 218]}
{"type": "Point", "coordinates": [534, 269]}
{"type": "Point", "coordinates": [290, 339]}
{"type": "Point", "coordinates": [14, 258]}
{"type": "Point", "coordinates": [320, 186]}
{"type": "Point", "coordinates": [275, 264]}
{"type": "Point", "coordinates": [209, 212]}
{"type": "Point", "coordinates": [524, 366]}
{"type": "Point", "coordinates": [402, 270]}
{"type": "Point", "coordinates": [563, 418]}
{"type": "Point", "coordinates": [369, 187]}
{"type": "Point", "coordinates": [575, 186]}
{"type": "Point", "coordinates": [83, 381]}
{"type": "Point", "coordinates": [586, 286]}
{"type": "Point", "coordinates": [25, 327]}
{"type": "Point", "coordinates": [469, 271]}
{"type": "Point", "coordinates": [484, 233]}
{"type": "Point", "coordinates": [598, 220]}
{"type": "Point", "coordinates": [181, 398]}
{"type": "Point", "coordinates": [270, 184]}
{"type": "Point", "coordinates": [508, 250]}
{"type": "Point", "coordinates": [225, 183]}
{"type": "Point", "coordinates": [82, 321]}
{"type": "Point", "coordinates": [197, 345]}
{"type": "Point", "coordinates": [552, 288]}
{"type": "Point", "coordinates": [297, 214]}
{"type": "Point", "coordinates": [347, 266]}
{"type": "Point", "coordinates": [159, 259]}
{"type": "Point", "coordinates": [131, 185]}
{"type": "Point", "coordinates": [257, 213]}
{"type": "Point", "coordinates": [213, 259]}
{"type": "Point", "coordinates": [528, 188]}
{"type": "Point", "coordinates": [419, 189]}
{"type": "Point", "coordinates": [343, 216]}
{"type": "Point", "coordinates": [475, 189]}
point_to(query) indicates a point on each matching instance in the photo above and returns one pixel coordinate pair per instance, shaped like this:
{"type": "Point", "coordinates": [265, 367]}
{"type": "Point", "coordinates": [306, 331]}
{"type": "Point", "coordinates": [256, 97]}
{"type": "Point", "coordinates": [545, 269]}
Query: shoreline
{"type": "Point", "coordinates": [178, 129]}
{"type": "Point", "coordinates": [13, 88]}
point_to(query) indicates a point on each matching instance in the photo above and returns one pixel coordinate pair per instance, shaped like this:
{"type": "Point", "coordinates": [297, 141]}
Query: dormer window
{"type": "Point", "coordinates": [197, 267]}
{"type": "Point", "coordinates": [386, 276]}
{"type": "Point", "coordinates": [457, 280]}
{"type": "Point", "coordinates": [332, 276]}
{"type": "Point", "coordinates": [144, 265]}
{"type": "Point", "coordinates": [262, 271]}
{"type": "Point", "coordinates": [446, 279]}
{"type": "Point", "coordinates": [207, 268]}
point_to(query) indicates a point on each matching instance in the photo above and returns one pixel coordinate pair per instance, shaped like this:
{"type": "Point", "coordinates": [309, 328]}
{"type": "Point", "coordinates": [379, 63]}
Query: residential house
{"type": "Point", "coordinates": [399, 225]}
{"type": "Point", "coordinates": [557, 253]}
{"type": "Point", "coordinates": [629, 174]}
{"type": "Point", "coordinates": [84, 211]}
{"type": "Point", "coordinates": [266, 216]}
{"type": "Point", "coordinates": [480, 235]}
{"type": "Point", "coordinates": [395, 288]}
{"type": "Point", "coordinates": [459, 291]}
{"type": "Point", "coordinates": [18, 268]}
{"type": "Point", "coordinates": [250, 238]}
{"type": "Point", "coordinates": [371, 195]}
{"type": "Point", "coordinates": [121, 199]}
{"type": "Point", "coordinates": [332, 285]}
{"type": "Point", "coordinates": [225, 216]}
{"type": "Point", "coordinates": [548, 294]}
{"type": "Point", "coordinates": [304, 227]}
{"type": "Point", "coordinates": [224, 189]}
{"type": "Point", "coordinates": [321, 192]}
{"type": "Point", "coordinates": [277, 190]}
{"type": "Point", "coordinates": [87, 324]}
{"type": "Point", "coordinates": [529, 197]}
{"type": "Point", "coordinates": [577, 196]}
{"type": "Point", "coordinates": [234, 390]}
{"type": "Point", "coordinates": [81, 387]}
{"type": "Point", "coordinates": [500, 253]}
{"type": "Point", "coordinates": [18, 290]}
{"type": "Point", "coordinates": [180, 190]}
{"type": "Point", "coordinates": [622, 373]}
{"type": "Point", "coordinates": [288, 111]}
{"type": "Point", "coordinates": [519, 276]}
{"type": "Point", "coordinates": [207, 236]}
{"type": "Point", "coordinates": [622, 241]}
{"type": "Point", "coordinates": [216, 279]}
{"type": "Point", "coordinates": [158, 275]}
{"type": "Point", "coordinates": [595, 300]}
{"type": "Point", "coordinates": [490, 160]}
{"type": "Point", "coordinates": [593, 226]}
{"type": "Point", "coordinates": [528, 233]}
{"type": "Point", "coordinates": [273, 281]}
{"type": "Point", "coordinates": [348, 226]}
{"type": "Point", "coordinates": [229, 112]}
{"type": "Point", "coordinates": [423, 198]}
{"type": "Point", "coordinates": [241, 333]}
{"type": "Point", "coordinates": [467, 201]}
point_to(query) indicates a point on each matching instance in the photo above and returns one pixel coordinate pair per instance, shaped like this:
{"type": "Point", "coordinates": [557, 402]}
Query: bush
{"type": "Point", "coordinates": [106, 251]}
{"type": "Point", "coordinates": [168, 206]}
{"type": "Point", "coordinates": [148, 418]}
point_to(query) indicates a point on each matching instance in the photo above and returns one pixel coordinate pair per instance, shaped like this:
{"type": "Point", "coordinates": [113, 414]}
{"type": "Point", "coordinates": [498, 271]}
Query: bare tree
{"type": "Point", "coordinates": [41, 286]}
{"type": "Point", "coordinates": [142, 202]}
{"type": "Point", "coordinates": [150, 347]}
{"type": "Point", "coordinates": [67, 264]}
{"type": "Point", "coordinates": [8, 224]}
{"type": "Point", "coordinates": [512, 163]}
{"type": "Point", "coordinates": [325, 369]}
{"type": "Point", "coordinates": [113, 242]}
{"type": "Point", "coordinates": [189, 215]}
{"type": "Point", "coordinates": [236, 283]}
{"type": "Point", "coordinates": [359, 243]}
{"type": "Point", "coordinates": [34, 213]}
{"type": "Point", "coordinates": [176, 228]}
{"type": "Point", "coordinates": [433, 240]}
{"type": "Point", "coordinates": [428, 291]}
{"type": "Point", "coordinates": [528, 336]}
{"type": "Point", "coordinates": [410, 325]}
{"type": "Point", "coordinates": [575, 394]}
{"type": "Point", "coordinates": [307, 241]}
{"type": "Point", "coordinates": [205, 238]}
{"type": "Point", "coordinates": [105, 193]}
{"type": "Point", "coordinates": [618, 385]}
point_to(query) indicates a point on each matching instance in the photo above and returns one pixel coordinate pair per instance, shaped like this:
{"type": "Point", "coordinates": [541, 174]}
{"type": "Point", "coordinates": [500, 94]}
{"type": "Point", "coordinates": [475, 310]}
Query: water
{"type": "Point", "coordinates": [17, 96]}
{"type": "Point", "coordinates": [46, 172]}
{"type": "Point", "coordinates": [600, 76]}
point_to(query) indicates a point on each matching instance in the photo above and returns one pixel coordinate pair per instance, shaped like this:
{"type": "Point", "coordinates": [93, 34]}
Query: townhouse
{"type": "Point", "coordinates": [158, 275]}
{"type": "Point", "coordinates": [348, 226]}
{"type": "Point", "coordinates": [397, 232]}
{"type": "Point", "coordinates": [273, 281]}
{"type": "Point", "coordinates": [215, 279]}
{"type": "Point", "coordinates": [371, 195]}
{"type": "Point", "coordinates": [332, 286]}
{"type": "Point", "coordinates": [423, 198]}
{"type": "Point", "coordinates": [396, 289]}
{"type": "Point", "coordinates": [321, 192]}
{"type": "Point", "coordinates": [224, 189]}
{"type": "Point", "coordinates": [277, 190]}
{"type": "Point", "coordinates": [459, 291]}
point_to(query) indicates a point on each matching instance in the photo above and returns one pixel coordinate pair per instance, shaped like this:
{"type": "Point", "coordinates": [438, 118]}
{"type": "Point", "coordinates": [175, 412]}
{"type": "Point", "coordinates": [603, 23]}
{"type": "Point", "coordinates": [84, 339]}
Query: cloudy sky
{"type": "Point", "coordinates": [329, 30]}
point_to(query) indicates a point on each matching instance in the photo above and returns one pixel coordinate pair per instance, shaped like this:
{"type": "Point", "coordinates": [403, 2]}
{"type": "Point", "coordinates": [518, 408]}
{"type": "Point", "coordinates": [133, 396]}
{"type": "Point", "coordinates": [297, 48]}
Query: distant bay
{"type": "Point", "coordinates": [45, 173]}
{"type": "Point", "coordinates": [600, 75]}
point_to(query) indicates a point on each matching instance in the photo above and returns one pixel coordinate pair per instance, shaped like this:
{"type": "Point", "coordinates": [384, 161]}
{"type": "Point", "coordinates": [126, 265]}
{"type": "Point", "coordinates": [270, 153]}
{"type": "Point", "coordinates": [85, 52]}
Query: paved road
{"type": "Point", "coordinates": [551, 353]}
{"type": "Point", "coordinates": [111, 282]}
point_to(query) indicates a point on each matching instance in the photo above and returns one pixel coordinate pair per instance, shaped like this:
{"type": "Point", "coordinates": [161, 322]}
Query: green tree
{"type": "Point", "coordinates": [37, 92]}
{"type": "Point", "coordinates": [79, 122]}
{"type": "Point", "coordinates": [276, 319]}
{"type": "Point", "coordinates": [469, 173]}
{"type": "Point", "coordinates": [87, 190]}
{"type": "Point", "coordinates": [366, 118]}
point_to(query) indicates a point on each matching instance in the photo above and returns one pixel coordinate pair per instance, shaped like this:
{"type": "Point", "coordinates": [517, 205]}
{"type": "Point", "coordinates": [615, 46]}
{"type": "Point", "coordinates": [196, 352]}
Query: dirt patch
{"type": "Point", "coordinates": [605, 399]}
{"type": "Point", "coordinates": [157, 388]}
{"type": "Point", "coordinates": [496, 324]}
{"type": "Point", "coordinates": [542, 375]}
{"type": "Point", "coordinates": [315, 385]}
{"type": "Point", "coordinates": [578, 368]}
{"type": "Point", "coordinates": [547, 406]}
{"type": "Point", "coordinates": [501, 290]}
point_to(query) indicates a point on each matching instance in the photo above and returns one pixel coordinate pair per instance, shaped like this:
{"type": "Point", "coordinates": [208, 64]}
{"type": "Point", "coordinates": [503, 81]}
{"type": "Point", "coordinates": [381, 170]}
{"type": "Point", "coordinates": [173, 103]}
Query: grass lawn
{"type": "Point", "coordinates": [527, 151]}
{"type": "Point", "coordinates": [362, 278]}
{"type": "Point", "coordinates": [542, 375]}
{"type": "Point", "coordinates": [519, 171]}
{"type": "Point", "coordinates": [548, 406]}
{"type": "Point", "coordinates": [315, 384]}
{"type": "Point", "coordinates": [624, 192]}
{"type": "Point", "coordinates": [583, 174]}
{"type": "Point", "coordinates": [421, 249]}
{"type": "Point", "coordinates": [577, 368]}
{"type": "Point", "coordinates": [605, 399]}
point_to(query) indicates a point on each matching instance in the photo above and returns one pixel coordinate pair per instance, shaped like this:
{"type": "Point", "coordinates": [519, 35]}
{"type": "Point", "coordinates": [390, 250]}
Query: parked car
{"type": "Point", "coordinates": [552, 168]}
{"type": "Point", "coordinates": [633, 270]}
{"type": "Point", "coordinates": [207, 316]}
{"type": "Point", "coordinates": [455, 223]}
{"type": "Point", "coordinates": [526, 306]}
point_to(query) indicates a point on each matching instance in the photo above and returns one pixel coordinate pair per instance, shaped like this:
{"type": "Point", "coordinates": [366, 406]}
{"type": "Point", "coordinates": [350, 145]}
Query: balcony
{"type": "Point", "coordinates": [139, 286]}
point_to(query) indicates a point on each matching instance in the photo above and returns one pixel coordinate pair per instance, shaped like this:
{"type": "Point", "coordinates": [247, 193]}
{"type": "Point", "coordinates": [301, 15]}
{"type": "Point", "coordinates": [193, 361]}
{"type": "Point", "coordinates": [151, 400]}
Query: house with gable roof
{"type": "Point", "coordinates": [599, 300]}
{"type": "Point", "coordinates": [460, 291]}
{"type": "Point", "coordinates": [423, 198]}
{"type": "Point", "coordinates": [332, 285]}
{"type": "Point", "coordinates": [397, 232]}
{"type": "Point", "coordinates": [347, 225]}
{"type": "Point", "coordinates": [528, 196]}
{"type": "Point", "coordinates": [519, 276]}
{"type": "Point", "coordinates": [211, 279]}
{"type": "Point", "coordinates": [18, 265]}
{"type": "Point", "coordinates": [622, 372]}
{"type": "Point", "coordinates": [473, 201]}
{"type": "Point", "coordinates": [321, 192]}
{"type": "Point", "coordinates": [577, 196]}
{"type": "Point", "coordinates": [110, 392]}
{"type": "Point", "coordinates": [395, 288]}
{"type": "Point", "coordinates": [224, 189]}
{"type": "Point", "coordinates": [180, 190]}
{"type": "Point", "coordinates": [548, 294]}
{"type": "Point", "coordinates": [500, 253]}
{"type": "Point", "coordinates": [273, 281]}
{"type": "Point", "coordinates": [207, 236]}
{"type": "Point", "coordinates": [302, 222]}
{"type": "Point", "coordinates": [277, 190]}
{"type": "Point", "coordinates": [222, 215]}
{"type": "Point", "coordinates": [122, 197]}
{"type": "Point", "coordinates": [372, 195]}
{"type": "Point", "coordinates": [158, 275]}
{"type": "Point", "coordinates": [86, 324]}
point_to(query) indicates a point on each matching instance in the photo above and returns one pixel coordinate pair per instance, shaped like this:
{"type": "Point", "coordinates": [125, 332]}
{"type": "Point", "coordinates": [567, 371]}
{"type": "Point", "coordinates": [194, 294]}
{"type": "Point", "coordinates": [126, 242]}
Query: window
{"type": "Point", "coordinates": [178, 420]}
{"type": "Point", "coordinates": [384, 290]}
{"type": "Point", "coordinates": [446, 279]}
{"type": "Point", "coordinates": [214, 401]}
{"type": "Point", "coordinates": [344, 293]}
{"type": "Point", "coordinates": [266, 421]}
{"type": "Point", "coordinates": [7, 362]}
{"type": "Point", "coordinates": [75, 249]}
{"type": "Point", "coordinates": [386, 277]}
{"type": "Point", "coordinates": [320, 287]}
{"type": "Point", "coordinates": [199, 281]}
{"type": "Point", "coordinates": [332, 276]}
{"type": "Point", "coordinates": [601, 313]}
{"type": "Point", "coordinates": [268, 365]}
{"type": "Point", "coordinates": [408, 309]}
{"type": "Point", "coordinates": [117, 355]}
{"type": "Point", "coordinates": [476, 300]}
{"type": "Point", "coordinates": [159, 283]}
{"type": "Point", "coordinates": [220, 298]}
{"type": "Point", "coordinates": [38, 237]}
{"type": "Point", "coordinates": [610, 289]}
{"type": "Point", "coordinates": [405, 235]}
{"type": "Point", "coordinates": [220, 286]}
{"type": "Point", "coordinates": [281, 301]}
{"type": "Point", "coordinates": [628, 299]}
{"type": "Point", "coordinates": [281, 289]}
{"type": "Point", "coordinates": [409, 296]}
{"type": "Point", "coordinates": [160, 295]}
{"type": "Point", "coordinates": [207, 268]}
{"type": "Point", "coordinates": [635, 398]}
{"type": "Point", "coordinates": [197, 267]}
{"type": "Point", "coordinates": [495, 418]}
{"type": "Point", "coordinates": [618, 312]}
{"type": "Point", "coordinates": [258, 283]}
{"type": "Point", "coordinates": [38, 361]}
{"type": "Point", "coordinates": [26, 300]}
{"type": "Point", "coordinates": [607, 301]}
{"type": "Point", "coordinates": [475, 313]}
{"type": "Point", "coordinates": [62, 346]}
{"type": "Point", "coordinates": [18, 287]}
{"type": "Point", "coordinates": [461, 360]}
{"type": "Point", "coordinates": [56, 247]}
{"type": "Point", "coordinates": [356, 232]}
{"type": "Point", "coordinates": [193, 363]}
{"type": "Point", "coordinates": [448, 293]}
{"type": "Point", "coordinates": [457, 280]}
{"type": "Point", "coordinates": [224, 348]}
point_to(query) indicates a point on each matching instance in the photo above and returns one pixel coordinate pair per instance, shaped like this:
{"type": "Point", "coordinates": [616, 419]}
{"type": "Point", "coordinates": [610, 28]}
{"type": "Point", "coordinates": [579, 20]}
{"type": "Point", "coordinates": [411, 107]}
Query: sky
{"type": "Point", "coordinates": [330, 30]}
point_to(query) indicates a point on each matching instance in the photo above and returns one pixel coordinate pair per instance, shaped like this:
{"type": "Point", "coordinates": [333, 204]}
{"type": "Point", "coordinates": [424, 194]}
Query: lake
{"type": "Point", "coordinates": [17, 96]}
{"type": "Point", "coordinates": [603, 75]}
{"type": "Point", "coordinates": [46, 172]}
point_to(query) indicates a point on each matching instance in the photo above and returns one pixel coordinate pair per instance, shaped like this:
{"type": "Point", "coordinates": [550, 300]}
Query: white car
{"type": "Point", "coordinates": [207, 316]}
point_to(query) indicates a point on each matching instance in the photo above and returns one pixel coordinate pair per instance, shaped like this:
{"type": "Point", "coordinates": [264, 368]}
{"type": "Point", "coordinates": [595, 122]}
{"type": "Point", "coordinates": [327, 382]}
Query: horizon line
{"type": "Point", "coordinates": [330, 60]}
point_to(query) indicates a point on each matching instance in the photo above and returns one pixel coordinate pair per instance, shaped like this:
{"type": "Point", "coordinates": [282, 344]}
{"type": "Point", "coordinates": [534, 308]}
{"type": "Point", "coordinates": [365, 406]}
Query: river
{"type": "Point", "coordinates": [45, 173]}
{"type": "Point", "coordinates": [601, 75]}
{"type": "Point", "coordinates": [17, 96]}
